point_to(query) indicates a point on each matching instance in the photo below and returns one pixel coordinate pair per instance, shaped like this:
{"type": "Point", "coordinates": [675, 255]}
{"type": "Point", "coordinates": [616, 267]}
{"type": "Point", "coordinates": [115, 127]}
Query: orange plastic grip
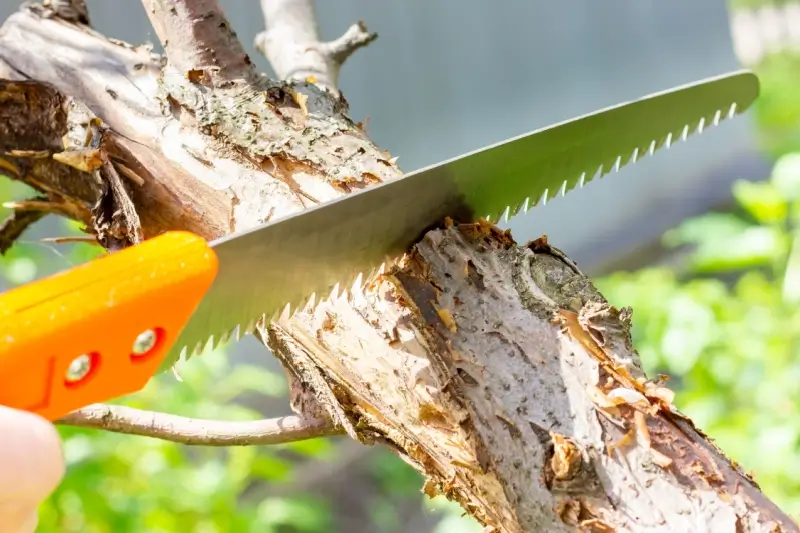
{"type": "Point", "coordinates": [102, 329]}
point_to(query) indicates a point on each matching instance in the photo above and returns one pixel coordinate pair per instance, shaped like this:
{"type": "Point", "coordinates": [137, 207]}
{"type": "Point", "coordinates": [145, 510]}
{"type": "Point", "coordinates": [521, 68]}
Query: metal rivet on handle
{"type": "Point", "coordinates": [144, 342]}
{"type": "Point", "coordinates": [79, 368]}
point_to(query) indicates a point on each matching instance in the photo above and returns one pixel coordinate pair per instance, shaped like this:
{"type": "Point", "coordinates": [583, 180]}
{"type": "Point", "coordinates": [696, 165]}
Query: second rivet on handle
{"type": "Point", "coordinates": [79, 368]}
{"type": "Point", "coordinates": [144, 342]}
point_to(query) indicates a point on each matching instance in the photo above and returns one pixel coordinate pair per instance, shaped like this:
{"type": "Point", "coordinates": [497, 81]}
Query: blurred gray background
{"type": "Point", "coordinates": [449, 76]}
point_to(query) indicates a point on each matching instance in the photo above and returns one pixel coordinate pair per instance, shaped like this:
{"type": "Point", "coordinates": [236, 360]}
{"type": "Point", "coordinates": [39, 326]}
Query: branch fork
{"type": "Point", "coordinates": [292, 46]}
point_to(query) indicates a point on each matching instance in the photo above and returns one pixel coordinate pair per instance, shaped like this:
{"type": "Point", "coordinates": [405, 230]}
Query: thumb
{"type": "Point", "coordinates": [31, 466]}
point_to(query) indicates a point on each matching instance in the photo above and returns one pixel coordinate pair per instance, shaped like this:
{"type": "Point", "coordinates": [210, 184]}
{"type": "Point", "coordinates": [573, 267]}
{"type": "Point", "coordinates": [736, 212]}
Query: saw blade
{"type": "Point", "coordinates": [339, 243]}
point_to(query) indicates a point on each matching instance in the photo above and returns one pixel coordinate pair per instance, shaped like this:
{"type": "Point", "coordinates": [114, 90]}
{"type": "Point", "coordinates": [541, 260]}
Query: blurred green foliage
{"type": "Point", "coordinates": [726, 324]}
{"type": "Point", "coordinates": [123, 483]}
{"type": "Point", "coordinates": [753, 4]}
{"type": "Point", "coordinates": [728, 327]}
{"type": "Point", "coordinates": [126, 484]}
{"type": "Point", "coordinates": [778, 107]}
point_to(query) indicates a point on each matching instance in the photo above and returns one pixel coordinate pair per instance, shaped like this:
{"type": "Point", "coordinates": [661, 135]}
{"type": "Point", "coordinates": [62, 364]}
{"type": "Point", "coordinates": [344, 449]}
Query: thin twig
{"type": "Point", "coordinates": [197, 432]}
{"type": "Point", "coordinates": [291, 44]}
{"type": "Point", "coordinates": [76, 238]}
{"type": "Point", "coordinates": [42, 205]}
{"type": "Point", "coordinates": [357, 36]}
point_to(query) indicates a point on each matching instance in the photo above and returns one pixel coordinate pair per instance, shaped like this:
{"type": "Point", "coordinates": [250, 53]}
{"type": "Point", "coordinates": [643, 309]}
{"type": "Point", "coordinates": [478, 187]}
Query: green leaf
{"type": "Point", "coordinates": [302, 515]}
{"type": "Point", "coordinates": [244, 378]}
{"type": "Point", "coordinates": [786, 175]}
{"type": "Point", "coordinates": [394, 475]}
{"type": "Point", "coordinates": [754, 247]}
{"type": "Point", "coordinates": [763, 200]}
{"type": "Point", "coordinates": [316, 448]}
{"type": "Point", "coordinates": [453, 523]}
{"type": "Point", "coordinates": [690, 329]}
{"type": "Point", "coordinates": [454, 519]}
{"type": "Point", "coordinates": [711, 227]}
{"type": "Point", "coordinates": [271, 467]}
{"type": "Point", "coordinates": [20, 271]}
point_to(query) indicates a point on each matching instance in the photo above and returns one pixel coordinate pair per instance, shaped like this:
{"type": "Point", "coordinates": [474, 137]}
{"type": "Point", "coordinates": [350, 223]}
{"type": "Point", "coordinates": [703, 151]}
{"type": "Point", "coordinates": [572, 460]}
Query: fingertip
{"type": "Point", "coordinates": [31, 458]}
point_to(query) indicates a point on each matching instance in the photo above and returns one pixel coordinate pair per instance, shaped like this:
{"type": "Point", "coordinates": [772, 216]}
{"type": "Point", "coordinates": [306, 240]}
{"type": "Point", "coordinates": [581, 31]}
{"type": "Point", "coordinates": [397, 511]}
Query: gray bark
{"type": "Point", "coordinates": [494, 368]}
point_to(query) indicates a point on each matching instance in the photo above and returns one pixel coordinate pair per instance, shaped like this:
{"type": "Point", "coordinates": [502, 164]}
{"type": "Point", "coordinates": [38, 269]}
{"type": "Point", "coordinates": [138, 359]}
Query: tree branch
{"type": "Point", "coordinates": [197, 432]}
{"type": "Point", "coordinates": [357, 36]}
{"type": "Point", "coordinates": [197, 36]}
{"type": "Point", "coordinates": [17, 222]}
{"type": "Point", "coordinates": [291, 43]}
{"type": "Point", "coordinates": [69, 10]}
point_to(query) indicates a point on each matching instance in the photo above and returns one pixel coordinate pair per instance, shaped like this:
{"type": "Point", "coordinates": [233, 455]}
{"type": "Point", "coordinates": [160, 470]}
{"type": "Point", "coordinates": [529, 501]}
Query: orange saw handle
{"type": "Point", "coordinates": [102, 329]}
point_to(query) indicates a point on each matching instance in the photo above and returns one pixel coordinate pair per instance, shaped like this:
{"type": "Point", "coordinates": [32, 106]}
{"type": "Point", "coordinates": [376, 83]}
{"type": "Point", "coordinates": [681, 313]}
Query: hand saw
{"type": "Point", "coordinates": [102, 329]}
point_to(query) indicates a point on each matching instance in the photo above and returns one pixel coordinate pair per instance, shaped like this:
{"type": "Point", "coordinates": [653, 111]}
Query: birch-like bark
{"type": "Point", "coordinates": [494, 368]}
{"type": "Point", "coordinates": [292, 46]}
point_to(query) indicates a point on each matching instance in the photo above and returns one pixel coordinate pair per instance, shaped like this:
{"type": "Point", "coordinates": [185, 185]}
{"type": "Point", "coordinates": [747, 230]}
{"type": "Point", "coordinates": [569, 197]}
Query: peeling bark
{"type": "Point", "coordinates": [466, 359]}
{"type": "Point", "coordinates": [497, 370]}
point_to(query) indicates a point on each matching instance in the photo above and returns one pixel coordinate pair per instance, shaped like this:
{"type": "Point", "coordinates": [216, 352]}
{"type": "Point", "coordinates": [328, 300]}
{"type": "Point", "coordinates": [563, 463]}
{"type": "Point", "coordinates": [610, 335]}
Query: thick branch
{"type": "Point", "coordinates": [291, 43]}
{"type": "Point", "coordinates": [197, 36]}
{"type": "Point", "coordinates": [196, 432]}
{"type": "Point", "coordinates": [37, 116]}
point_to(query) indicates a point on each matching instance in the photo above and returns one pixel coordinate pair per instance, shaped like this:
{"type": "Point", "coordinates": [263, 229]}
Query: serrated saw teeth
{"type": "Point", "coordinates": [297, 306]}
{"type": "Point", "coordinates": [286, 312]}
{"type": "Point", "coordinates": [225, 337]}
{"type": "Point", "coordinates": [198, 348]}
{"type": "Point", "coordinates": [213, 342]}
{"type": "Point", "coordinates": [312, 302]}
{"type": "Point", "coordinates": [604, 169]}
{"type": "Point", "coordinates": [606, 149]}
{"type": "Point", "coordinates": [358, 284]}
